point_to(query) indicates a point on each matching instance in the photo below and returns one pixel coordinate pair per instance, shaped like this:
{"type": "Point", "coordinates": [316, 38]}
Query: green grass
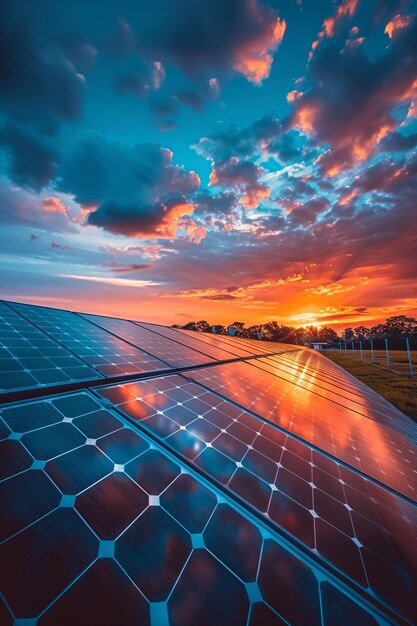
{"type": "Point", "coordinates": [399, 389]}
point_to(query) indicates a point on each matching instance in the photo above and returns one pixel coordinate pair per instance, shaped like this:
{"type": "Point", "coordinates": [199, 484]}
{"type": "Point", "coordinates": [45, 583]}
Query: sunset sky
{"type": "Point", "coordinates": [210, 159]}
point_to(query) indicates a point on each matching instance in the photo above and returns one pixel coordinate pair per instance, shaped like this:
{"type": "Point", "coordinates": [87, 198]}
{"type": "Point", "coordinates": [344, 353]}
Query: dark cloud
{"type": "Point", "coordinates": [190, 98]}
{"type": "Point", "coordinates": [142, 81]}
{"type": "Point", "coordinates": [137, 191]}
{"type": "Point", "coordinates": [39, 84]}
{"type": "Point", "coordinates": [121, 268]}
{"type": "Point", "coordinates": [32, 161]}
{"type": "Point", "coordinates": [306, 213]}
{"type": "Point", "coordinates": [202, 37]}
{"type": "Point", "coordinates": [60, 246]}
{"type": "Point", "coordinates": [242, 176]}
{"type": "Point", "coordinates": [397, 142]}
{"type": "Point", "coordinates": [215, 204]}
{"type": "Point", "coordinates": [384, 10]}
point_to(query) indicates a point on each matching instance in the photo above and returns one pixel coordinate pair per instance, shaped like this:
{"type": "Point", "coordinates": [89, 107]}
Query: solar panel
{"type": "Point", "coordinates": [196, 478]}
{"type": "Point", "coordinates": [176, 354]}
{"type": "Point", "coordinates": [363, 443]}
{"type": "Point", "coordinates": [369, 407]}
{"type": "Point", "coordinates": [140, 537]}
{"type": "Point", "coordinates": [217, 350]}
{"type": "Point", "coordinates": [105, 352]}
{"type": "Point", "coordinates": [30, 359]}
{"type": "Point", "coordinates": [238, 348]}
{"type": "Point", "coordinates": [319, 502]}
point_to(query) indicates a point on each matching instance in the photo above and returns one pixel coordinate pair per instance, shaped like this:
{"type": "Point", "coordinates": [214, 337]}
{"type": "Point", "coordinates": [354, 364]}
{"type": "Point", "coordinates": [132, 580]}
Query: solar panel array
{"type": "Point", "coordinates": [150, 475]}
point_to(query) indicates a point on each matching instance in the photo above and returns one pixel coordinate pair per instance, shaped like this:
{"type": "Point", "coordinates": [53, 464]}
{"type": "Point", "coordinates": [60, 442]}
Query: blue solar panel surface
{"type": "Point", "coordinates": [273, 488]}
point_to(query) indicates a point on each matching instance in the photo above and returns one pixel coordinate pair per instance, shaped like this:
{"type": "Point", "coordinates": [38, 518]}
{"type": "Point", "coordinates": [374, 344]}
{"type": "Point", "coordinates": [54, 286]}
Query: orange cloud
{"type": "Point", "coordinates": [54, 205]}
{"type": "Point", "coordinates": [347, 9]}
{"type": "Point", "coordinates": [398, 23]}
{"type": "Point", "coordinates": [253, 197]}
{"type": "Point", "coordinates": [255, 58]}
{"type": "Point", "coordinates": [329, 290]}
{"type": "Point", "coordinates": [294, 95]}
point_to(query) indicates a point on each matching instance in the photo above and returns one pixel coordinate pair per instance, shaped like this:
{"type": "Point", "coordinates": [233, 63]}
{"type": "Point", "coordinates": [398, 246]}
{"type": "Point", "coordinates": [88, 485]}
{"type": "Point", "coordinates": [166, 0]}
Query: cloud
{"type": "Point", "coordinates": [351, 98]}
{"type": "Point", "coordinates": [306, 213]}
{"type": "Point", "coordinates": [142, 81]}
{"type": "Point", "coordinates": [397, 23]}
{"type": "Point", "coordinates": [22, 208]}
{"type": "Point", "coordinates": [242, 176]}
{"type": "Point", "coordinates": [126, 267]}
{"type": "Point", "coordinates": [39, 84]}
{"type": "Point", "coordinates": [115, 282]}
{"type": "Point", "coordinates": [397, 142]}
{"type": "Point", "coordinates": [60, 246]}
{"type": "Point", "coordinates": [330, 289]}
{"type": "Point", "coordinates": [31, 160]}
{"type": "Point", "coordinates": [138, 191]}
{"type": "Point", "coordinates": [205, 37]}
{"type": "Point", "coordinates": [345, 10]}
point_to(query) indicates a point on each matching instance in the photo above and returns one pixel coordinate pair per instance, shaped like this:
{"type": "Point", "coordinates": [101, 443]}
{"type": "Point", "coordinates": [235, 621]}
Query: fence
{"type": "Point", "coordinates": [398, 355]}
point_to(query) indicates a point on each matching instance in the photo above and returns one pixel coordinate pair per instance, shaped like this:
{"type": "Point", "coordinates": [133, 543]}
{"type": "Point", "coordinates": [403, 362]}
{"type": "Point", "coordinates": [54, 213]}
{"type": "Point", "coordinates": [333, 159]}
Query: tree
{"type": "Point", "coordinates": [328, 335]}
{"type": "Point", "coordinates": [190, 326]}
{"type": "Point", "coordinates": [348, 334]}
{"type": "Point", "coordinates": [239, 326]}
{"type": "Point", "coordinates": [400, 325]}
{"type": "Point", "coordinates": [202, 326]}
{"type": "Point", "coordinates": [377, 332]}
{"type": "Point", "coordinates": [361, 333]}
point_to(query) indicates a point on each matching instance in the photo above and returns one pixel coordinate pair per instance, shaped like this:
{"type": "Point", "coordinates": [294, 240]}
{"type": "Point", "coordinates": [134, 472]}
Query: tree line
{"type": "Point", "coordinates": [394, 328]}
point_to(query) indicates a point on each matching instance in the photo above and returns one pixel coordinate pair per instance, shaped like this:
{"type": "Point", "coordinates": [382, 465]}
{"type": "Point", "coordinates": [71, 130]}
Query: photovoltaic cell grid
{"type": "Point", "coordinates": [307, 361]}
{"type": "Point", "coordinates": [137, 537]}
{"type": "Point", "coordinates": [175, 354]}
{"type": "Point", "coordinates": [348, 543]}
{"type": "Point", "coordinates": [371, 405]}
{"type": "Point", "coordinates": [239, 346]}
{"type": "Point", "coordinates": [367, 533]}
{"type": "Point", "coordinates": [217, 350]}
{"type": "Point", "coordinates": [30, 359]}
{"type": "Point", "coordinates": [369, 408]}
{"type": "Point", "coordinates": [380, 452]}
{"type": "Point", "coordinates": [108, 354]}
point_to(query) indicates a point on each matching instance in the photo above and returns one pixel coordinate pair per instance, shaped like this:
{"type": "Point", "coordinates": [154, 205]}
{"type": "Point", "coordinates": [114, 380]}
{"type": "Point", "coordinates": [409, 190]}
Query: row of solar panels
{"type": "Point", "coordinates": [311, 475]}
{"type": "Point", "coordinates": [43, 347]}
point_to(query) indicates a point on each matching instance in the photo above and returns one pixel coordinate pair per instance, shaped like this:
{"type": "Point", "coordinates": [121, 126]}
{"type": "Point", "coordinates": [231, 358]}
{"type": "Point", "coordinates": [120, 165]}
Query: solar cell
{"type": "Point", "coordinates": [372, 448]}
{"type": "Point", "coordinates": [117, 529]}
{"type": "Point", "coordinates": [30, 359]}
{"type": "Point", "coordinates": [108, 354]}
{"type": "Point", "coordinates": [175, 354]}
{"type": "Point", "coordinates": [342, 516]}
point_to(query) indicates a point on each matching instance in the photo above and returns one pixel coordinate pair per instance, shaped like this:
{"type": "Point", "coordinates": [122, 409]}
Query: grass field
{"type": "Point", "coordinates": [399, 389]}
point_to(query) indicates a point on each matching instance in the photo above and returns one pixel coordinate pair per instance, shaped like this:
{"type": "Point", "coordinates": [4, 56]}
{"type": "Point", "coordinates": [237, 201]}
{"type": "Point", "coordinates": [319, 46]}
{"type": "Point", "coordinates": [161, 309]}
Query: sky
{"type": "Point", "coordinates": [227, 160]}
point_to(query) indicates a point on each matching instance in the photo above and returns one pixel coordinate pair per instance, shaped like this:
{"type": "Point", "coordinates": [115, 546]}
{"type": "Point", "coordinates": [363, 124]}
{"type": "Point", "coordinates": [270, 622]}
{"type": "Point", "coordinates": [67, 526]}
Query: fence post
{"type": "Point", "coordinates": [407, 341]}
{"type": "Point", "coordinates": [360, 347]}
{"type": "Point", "coordinates": [386, 349]}
{"type": "Point", "coordinates": [372, 350]}
{"type": "Point", "coordinates": [353, 346]}
{"type": "Point", "coordinates": [345, 346]}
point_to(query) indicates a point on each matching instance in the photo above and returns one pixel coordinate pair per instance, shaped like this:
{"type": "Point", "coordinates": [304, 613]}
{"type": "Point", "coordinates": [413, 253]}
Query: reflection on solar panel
{"type": "Point", "coordinates": [264, 490]}
{"type": "Point", "coordinates": [30, 359]}
{"type": "Point", "coordinates": [175, 354]}
{"type": "Point", "coordinates": [108, 354]}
